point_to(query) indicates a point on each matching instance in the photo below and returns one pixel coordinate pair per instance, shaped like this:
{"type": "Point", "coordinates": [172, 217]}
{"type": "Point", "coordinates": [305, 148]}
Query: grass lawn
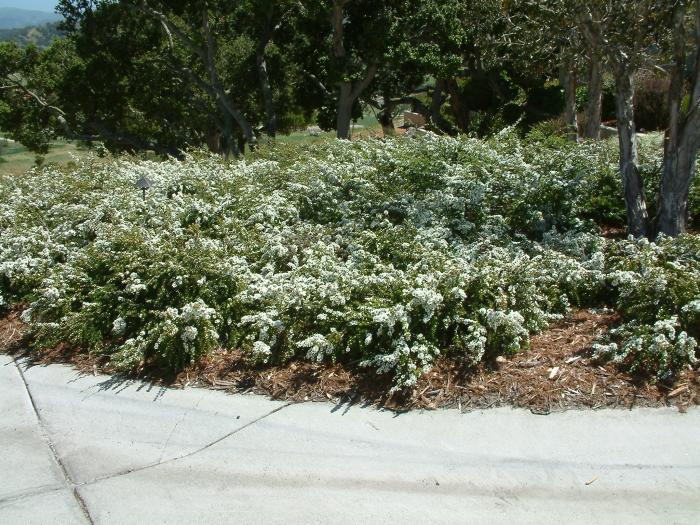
{"type": "Point", "coordinates": [16, 159]}
{"type": "Point", "coordinates": [367, 125]}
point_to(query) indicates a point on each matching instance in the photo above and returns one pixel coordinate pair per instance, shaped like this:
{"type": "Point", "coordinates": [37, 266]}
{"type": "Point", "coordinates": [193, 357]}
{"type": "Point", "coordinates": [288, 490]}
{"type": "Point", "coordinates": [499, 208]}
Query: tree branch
{"type": "Point", "coordinates": [318, 82]}
{"type": "Point", "coordinates": [37, 98]}
{"type": "Point", "coordinates": [360, 86]}
{"type": "Point", "coordinates": [104, 132]}
{"type": "Point", "coordinates": [172, 28]}
{"type": "Point", "coordinates": [219, 90]}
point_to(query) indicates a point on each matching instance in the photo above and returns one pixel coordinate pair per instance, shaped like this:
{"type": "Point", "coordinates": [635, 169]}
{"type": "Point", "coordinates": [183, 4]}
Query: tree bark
{"type": "Point", "coordinates": [567, 79]}
{"type": "Point", "coordinates": [633, 187]}
{"type": "Point", "coordinates": [227, 142]}
{"type": "Point", "coordinates": [678, 173]}
{"type": "Point", "coordinates": [386, 117]}
{"type": "Point", "coordinates": [460, 111]}
{"type": "Point", "coordinates": [682, 139]}
{"type": "Point", "coordinates": [436, 109]}
{"type": "Point", "coordinates": [345, 103]}
{"type": "Point", "coordinates": [348, 91]}
{"type": "Point", "coordinates": [594, 105]}
{"type": "Point", "coordinates": [436, 99]}
{"type": "Point", "coordinates": [263, 75]}
{"type": "Point", "coordinates": [266, 88]}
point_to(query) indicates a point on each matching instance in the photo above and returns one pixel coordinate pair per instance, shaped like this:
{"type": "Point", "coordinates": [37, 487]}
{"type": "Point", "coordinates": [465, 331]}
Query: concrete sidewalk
{"type": "Point", "coordinates": [100, 450]}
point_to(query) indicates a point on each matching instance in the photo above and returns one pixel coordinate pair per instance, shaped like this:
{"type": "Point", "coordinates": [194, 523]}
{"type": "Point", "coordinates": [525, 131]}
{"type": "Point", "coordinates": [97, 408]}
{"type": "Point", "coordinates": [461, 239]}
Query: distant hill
{"type": "Point", "coordinates": [40, 36]}
{"type": "Point", "coordinates": [13, 18]}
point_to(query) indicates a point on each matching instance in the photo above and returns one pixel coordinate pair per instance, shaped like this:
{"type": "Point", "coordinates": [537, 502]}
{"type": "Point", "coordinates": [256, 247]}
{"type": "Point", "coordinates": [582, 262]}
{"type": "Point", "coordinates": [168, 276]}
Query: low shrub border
{"type": "Point", "coordinates": [392, 253]}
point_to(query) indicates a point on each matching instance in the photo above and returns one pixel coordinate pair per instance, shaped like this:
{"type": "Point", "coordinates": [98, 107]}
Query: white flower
{"type": "Point", "coordinates": [189, 334]}
{"type": "Point", "coordinates": [119, 326]}
{"type": "Point", "coordinates": [261, 351]}
{"type": "Point", "coordinates": [51, 294]}
{"type": "Point", "coordinates": [318, 347]}
{"type": "Point", "coordinates": [428, 300]}
{"type": "Point", "coordinates": [26, 316]}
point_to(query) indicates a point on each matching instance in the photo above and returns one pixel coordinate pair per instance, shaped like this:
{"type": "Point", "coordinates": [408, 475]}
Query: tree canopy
{"type": "Point", "coordinates": [169, 76]}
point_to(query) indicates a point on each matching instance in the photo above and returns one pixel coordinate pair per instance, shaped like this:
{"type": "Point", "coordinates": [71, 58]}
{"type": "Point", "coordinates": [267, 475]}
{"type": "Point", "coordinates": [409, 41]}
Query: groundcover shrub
{"type": "Point", "coordinates": [387, 253]}
{"type": "Point", "coordinates": [658, 297]}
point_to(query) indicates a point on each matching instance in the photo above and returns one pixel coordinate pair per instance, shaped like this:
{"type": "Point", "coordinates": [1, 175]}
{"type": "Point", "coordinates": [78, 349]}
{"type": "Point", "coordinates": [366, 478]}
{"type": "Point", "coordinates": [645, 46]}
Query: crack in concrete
{"type": "Point", "coordinates": [179, 422]}
{"type": "Point", "coordinates": [170, 435]}
{"type": "Point", "coordinates": [73, 486]}
{"type": "Point", "coordinates": [70, 484]}
{"type": "Point", "coordinates": [81, 503]}
{"type": "Point", "coordinates": [189, 454]}
{"type": "Point", "coordinates": [30, 493]}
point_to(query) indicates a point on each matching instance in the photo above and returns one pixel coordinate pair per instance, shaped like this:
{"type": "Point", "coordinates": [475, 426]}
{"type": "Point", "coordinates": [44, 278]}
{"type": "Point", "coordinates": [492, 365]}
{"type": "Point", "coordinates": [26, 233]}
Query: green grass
{"type": "Point", "coordinates": [368, 124]}
{"type": "Point", "coordinates": [303, 136]}
{"type": "Point", "coordinates": [15, 159]}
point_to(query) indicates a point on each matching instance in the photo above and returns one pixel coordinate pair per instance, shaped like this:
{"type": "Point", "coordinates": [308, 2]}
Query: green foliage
{"type": "Point", "coordinates": [391, 253]}
{"type": "Point", "coordinates": [33, 82]}
{"type": "Point", "coordinates": [658, 296]}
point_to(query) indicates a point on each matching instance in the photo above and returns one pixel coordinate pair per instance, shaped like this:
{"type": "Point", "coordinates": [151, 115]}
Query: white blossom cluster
{"type": "Point", "coordinates": [658, 295]}
{"type": "Point", "coordinates": [390, 253]}
{"type": "Point", "coordinates": [658, 349]}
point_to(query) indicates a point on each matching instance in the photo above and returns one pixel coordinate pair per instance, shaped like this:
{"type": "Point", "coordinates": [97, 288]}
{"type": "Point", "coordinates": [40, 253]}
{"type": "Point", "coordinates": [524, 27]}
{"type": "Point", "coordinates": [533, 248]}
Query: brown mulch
{"type": "Point", "coordinates": [556, 373]}
{"type": "Point", "coordinates": [617, 233]}
{"type": "Point", "coordinates": [612, 232]}
{"type": "Point", "coordinates": [12, 333]}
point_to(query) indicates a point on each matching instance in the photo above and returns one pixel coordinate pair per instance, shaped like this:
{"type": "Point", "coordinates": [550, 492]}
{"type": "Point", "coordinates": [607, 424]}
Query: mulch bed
{"type": "Point", "coordinates": [555, 374]}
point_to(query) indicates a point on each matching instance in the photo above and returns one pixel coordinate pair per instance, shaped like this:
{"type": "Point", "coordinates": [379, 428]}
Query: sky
{"type": "Point", "coordinates": [38, 5]}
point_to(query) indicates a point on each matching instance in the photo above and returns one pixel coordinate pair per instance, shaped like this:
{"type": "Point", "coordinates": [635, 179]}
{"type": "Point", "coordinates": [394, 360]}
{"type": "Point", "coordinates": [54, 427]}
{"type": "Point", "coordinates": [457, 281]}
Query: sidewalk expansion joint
{"type": "Point", "coordinates": [68, 481]}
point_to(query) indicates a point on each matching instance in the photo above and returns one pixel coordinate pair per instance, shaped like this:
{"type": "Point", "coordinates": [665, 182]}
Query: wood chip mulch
{"type": "Point", "coordinates": [12, 333]}
{"type": "Point", "coordinates": [556, 373]}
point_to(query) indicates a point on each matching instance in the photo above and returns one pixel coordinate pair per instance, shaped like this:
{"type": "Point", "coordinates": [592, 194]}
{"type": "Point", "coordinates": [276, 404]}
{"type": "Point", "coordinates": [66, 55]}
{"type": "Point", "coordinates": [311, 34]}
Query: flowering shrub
{"type": "Point", "coordinates": [389, 253]}
{"type": "Point", "coordinates": [657, 349]}
{"type": "Point", "coordinates": [658, 296]}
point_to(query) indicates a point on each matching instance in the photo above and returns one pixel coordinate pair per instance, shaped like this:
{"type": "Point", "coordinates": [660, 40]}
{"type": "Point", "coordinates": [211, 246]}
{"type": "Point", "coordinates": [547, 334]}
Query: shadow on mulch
{"type": "Point", "coordinates": [556, 373]}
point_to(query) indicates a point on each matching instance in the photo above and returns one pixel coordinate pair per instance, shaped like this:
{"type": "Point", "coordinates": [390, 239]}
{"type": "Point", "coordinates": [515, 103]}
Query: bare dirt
{"type": "Point", "coordinates": [556, 373]}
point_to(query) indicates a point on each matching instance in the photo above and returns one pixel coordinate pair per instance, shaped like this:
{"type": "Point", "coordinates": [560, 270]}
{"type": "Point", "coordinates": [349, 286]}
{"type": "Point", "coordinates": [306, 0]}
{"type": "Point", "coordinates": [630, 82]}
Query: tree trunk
{"type": "Point", "coordinates": [567, 79]}
{"type": "Point", "coordinates": [264, 77]}
{"type": "Point", "coordinates": [213, 140]}
{"type": "Point", "coordinates": [228, 145]}
{"type": "Point", "coordinates": [633, 187]}
{"type": "Point", "coordinates": [594, 104]}
{"type": "Point", "coordinates": [678, 173]}
{"type": "Point", "coordinates": [348, 92]}
{"type": "Point", "coordinates": [436, 109]}
{"type": "Point", "coordinates": [386, 117]}
{"type": "Point", "coordinates": [436, 99]}
{"type": "Point", "coordinates": [682, 140]}
{"type": "Point", "coordinates": [460, 111]}
{"type": "Point", "coordinates": [345, 102]}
